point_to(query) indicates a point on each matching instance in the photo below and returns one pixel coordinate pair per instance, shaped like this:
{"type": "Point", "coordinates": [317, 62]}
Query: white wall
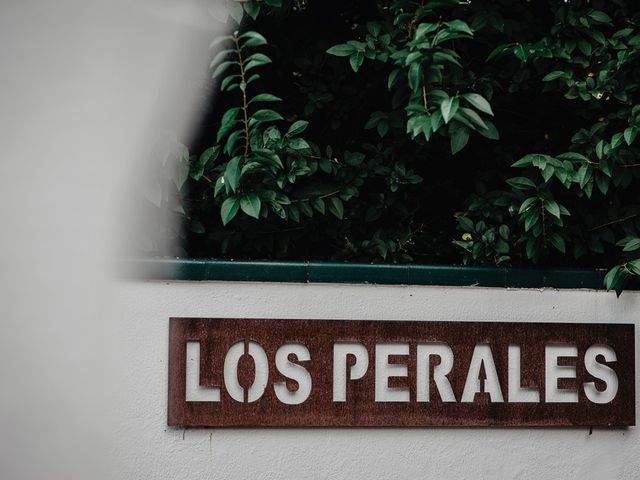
{"type": "Point", "coordinates": [84, 85]}
{"type": "Point", "coordinates": [147, 448]}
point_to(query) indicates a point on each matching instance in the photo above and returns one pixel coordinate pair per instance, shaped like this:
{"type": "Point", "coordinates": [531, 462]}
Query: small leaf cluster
{"type": "Point", "coordinates": [427, 79]}
{"type": "Point", "coordinates": [261, 167]}
{"type": "Point", "coordinates": [618, 276]}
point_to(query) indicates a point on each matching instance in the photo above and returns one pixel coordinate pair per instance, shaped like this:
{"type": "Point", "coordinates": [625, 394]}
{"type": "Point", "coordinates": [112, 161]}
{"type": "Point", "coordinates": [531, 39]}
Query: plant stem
{"type": "Point", "coordinates": [311, 198]}
{"type": "Point", "coordinates": [614, 222]}
{"type": "Point", "coordinates": [243, 88]}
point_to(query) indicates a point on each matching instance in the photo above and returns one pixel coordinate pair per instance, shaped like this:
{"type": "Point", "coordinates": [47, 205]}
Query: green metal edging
{"type": "Point", "coordinates": [359, 273]}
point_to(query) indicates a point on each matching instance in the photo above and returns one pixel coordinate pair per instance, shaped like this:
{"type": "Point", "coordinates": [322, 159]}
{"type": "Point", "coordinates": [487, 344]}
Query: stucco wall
{"type": "Point", "coordinates": [147, 448]}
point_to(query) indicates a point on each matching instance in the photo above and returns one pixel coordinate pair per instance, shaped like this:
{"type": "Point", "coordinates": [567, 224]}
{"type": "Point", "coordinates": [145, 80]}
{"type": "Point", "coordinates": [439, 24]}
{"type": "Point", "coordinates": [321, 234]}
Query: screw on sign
{"type": "Point", "coordinates": [241, 372]}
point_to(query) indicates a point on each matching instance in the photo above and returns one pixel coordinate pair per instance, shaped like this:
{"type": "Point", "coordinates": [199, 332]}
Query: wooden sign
{"type": "Point", "coordinates": [344, 373]}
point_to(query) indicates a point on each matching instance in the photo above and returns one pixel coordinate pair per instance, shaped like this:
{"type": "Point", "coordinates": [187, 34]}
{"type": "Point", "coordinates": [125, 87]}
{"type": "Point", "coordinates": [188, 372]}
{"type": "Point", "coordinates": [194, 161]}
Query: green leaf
{"type": "Point", "coordinates": [353, 159]}
{"type": "Point", "coordinates": [597, 36]}
{"type": "Point", "coordinates": [236, 11]}
{"type": "Point", "coordinates": [425, 28]}
{"type": "Point", "coordinates": [552, 207]}
{"type": "Point", "coordinates": [520, 51]}
{"type": "Point", "coordinates": [342, 50]}
{"type": "Point", "coordinates": [229, 209]}
{"type": "Point", "coordinates": [600, 149]}
{"type": "Point", "coordinates": [436, 120]}
{"type": "Point", "coordinates": [325, 165]}
{"type": "Point", "coordinates": [196, 227]}
{"type": "Point", "coordinates": [382, 249]}
{"type": "Point", "coordinates": [630, 135]}
{"type": "Point", "coordinates": [474, 117]}
{"type": "Point", "coordinates": [252, 39]}
{"type": "Point", "coordinates": [459, 140]}
{"type": "Point", "coordinates": [585, 47]}
{"type": "Point", "coordinates": [599, 16]}
{"type": "Point", "coordinates": [632, 245]}
{"type": "Point", "coordinates": [229, 146]}
{"type": "Point", "coordinates": [250, 166]}
{"type": "Point", "coordinates": [583, 175]}
{"type": "Point", "coordinates": [412, 57]}
{"type": "Point", "coordinates": [336, 207]}
{"type": "Point", "coordinates": [318, 204]}
{"type": "Point", "coordinates": [527, 204]}
{"type": "Point", "coordinates": [521, 183]}
{"type": "Point", "coordinates": [266, 115]}
{"type": "Point", "coordinates": [373, 28]}
{"type": "Point", "coordinates": [614, 277]}
{"type": "Point", "coordinates": [278, 210]}
{"type": "Point", "coordinates": [220, 56]}
{"type": "Point", "coordinates": [449, 107]}
{"type": "Point", "coordinates": [548, 172]}
{"type": "Point", "coordinates": [229, 120]}
{"type": "Point", "coordinates": [265, 97]}
{"type": "Point", "coordinates": [491, 132]}
{"type": "Point", "coordinates": [232, 173]}
{"type": "Point", "coordinates": [306, 209]}
{"type": "Point", "coordinates": [553, 76]}
{"type": "Point", "coordinates": [415, 75]}
{"type": "Point", "coordinates": [256, 60]}
{"type": "Point", "coordinates": [252, 9]}
{"type": "Point", "coordinates": [502, 246]}
{"type": "Point", "coordinates": [383, 128]}
{"type": "Point", "coordinates": [573, 156]}
{"type": "Point", "coordinates": [294, 213]}
{"type": "Point", "coordinates": [356, 60]}
{"type": "Point", "coordinates": [219, 186]}
{"type": "Point", "coordinates": [250, 204]}
{"type": "Point", "coordinates": [625, 32]}
{"type": "Point", "coordinates": [209, 154]}
{"type": "Point", "coordinates": [393, 77]}
{"type": "Point", "coordinates": [268, 156]}
{"type": "Point", "coordinates": [500, 50]}
{"type": "Point", "coordinates": [219, 40]}
{"type": "Point", "coordinates": [442, 57]}
{"type": "Point", "coordinates": [617, 140]}
{"type": "Point", "coordinates": [558, 242]}
{"type": "Point", "coordinates": [602, 181]}
{"type": "Point", "coordinates": [634, 266]}
{"type": "Point", "coordinates": [221, 68]}
{"type": "Point", "coordinates": [227, 84]}
{"type": "Point", "coordinates": [253, 77]}
{"type": "Point", "coordinates": [460, 26]}
{"type": "Point", "coordinates": [298, 144]}
{"type": "Point", "coordinates": [479, 102]}
{"type": "Point", "coordinates": [297, 127]}
{"type": "Point", "coordinates": [540, 161]}
{"type": "Point", "coordinates": [530, 219]}
{"type": "Point", "coordinates": [466, 224]}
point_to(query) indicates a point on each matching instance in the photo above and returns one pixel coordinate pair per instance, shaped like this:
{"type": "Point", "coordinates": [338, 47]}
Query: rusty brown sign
{"type": "Point", "coordinates": [352, 373]}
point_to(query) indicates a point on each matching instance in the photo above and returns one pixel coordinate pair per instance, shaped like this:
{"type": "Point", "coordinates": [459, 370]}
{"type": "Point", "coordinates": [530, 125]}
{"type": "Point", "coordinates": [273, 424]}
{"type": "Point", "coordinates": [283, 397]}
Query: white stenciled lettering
{"type": "Point", "coordinates": [386, 370]}
{"type": "Point", "coordinates": [554, 372]}
{"type": "Point", "coordinates": [194, 391]}
{"type": "Point", "coordinates": [293, 371]}
{"type": "Point", "coordinates": [601, 372]}
{"type": "Point", "coordinates": [356, 371]}
{"type": "Point", "coordinates": [482, 356]}
{"type": "Point", "coordinates": [231, 382]}
{"type": "Point", "coordinates": [518, 394]}
{"type": "Point", "coordinates": [425, 353]}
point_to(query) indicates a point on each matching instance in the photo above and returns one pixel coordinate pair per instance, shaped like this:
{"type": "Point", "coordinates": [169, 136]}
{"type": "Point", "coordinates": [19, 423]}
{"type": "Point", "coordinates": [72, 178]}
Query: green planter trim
{"type": "Point", "coordinates": [359, 273]}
